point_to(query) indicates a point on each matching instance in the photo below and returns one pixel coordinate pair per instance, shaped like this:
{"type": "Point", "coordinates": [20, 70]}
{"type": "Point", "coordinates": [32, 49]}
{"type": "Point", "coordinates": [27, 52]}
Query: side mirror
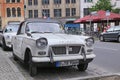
{"type": "Point", "coordinates": [29, 34]}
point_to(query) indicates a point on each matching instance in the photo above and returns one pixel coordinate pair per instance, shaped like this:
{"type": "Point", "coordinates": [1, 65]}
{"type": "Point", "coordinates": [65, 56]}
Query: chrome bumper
{"type": "Point", "coordinates": [62, 58]}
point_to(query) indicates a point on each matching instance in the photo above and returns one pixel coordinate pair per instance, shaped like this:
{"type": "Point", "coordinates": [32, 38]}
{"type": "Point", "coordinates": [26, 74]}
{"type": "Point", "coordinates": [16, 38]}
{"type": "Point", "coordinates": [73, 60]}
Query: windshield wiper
{"type": "Point", "coordinates": [40, 32]}
{"type": "Point", "coordinates": [36, 32]}
{"type": "Point", "coordinates": [47, 32]}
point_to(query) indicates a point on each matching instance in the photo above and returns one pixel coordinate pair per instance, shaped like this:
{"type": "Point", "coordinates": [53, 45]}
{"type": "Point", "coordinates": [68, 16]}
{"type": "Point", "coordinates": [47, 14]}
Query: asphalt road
{"type": "Point", "coordinates": [106, 63]}
{"type": "Point", "coordinates": [107, 56]}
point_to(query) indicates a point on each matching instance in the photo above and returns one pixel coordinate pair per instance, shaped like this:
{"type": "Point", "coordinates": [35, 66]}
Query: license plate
{"type": "Point", "coordinates": [67, 63]}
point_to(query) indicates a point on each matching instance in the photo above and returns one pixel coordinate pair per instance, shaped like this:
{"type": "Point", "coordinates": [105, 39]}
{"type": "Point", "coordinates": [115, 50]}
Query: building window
{"type": "Point", "coordinates": [88, 1]}
{"type": "Point", "coordinates": [57, 1]}
{"type": "Point", "coordinates": [35, 13]}
{"type": "Point", "coordinates": [67, 11]}
{"type": "Point", "coordinates": [86, 11]}
{"type": "Point", "coordinates": [8, 12]}
{"type": "Point", "coordinates": [18, 12]}
{"type": "Point", "coordinates": [29, 2]}
{"type": "Point", "coordinates": [13, 12]}
{"type": "Point", "coordinates": [7, 1]}
{"type": "Point", "coordinates": [35, 2]}
{"type": "Point", "coordinates": [45, 2]}
{"type": "Point", "coordinates": [73, 1]}
{"type": "Point", "coordinates": [46, 13]}
{"type": "Point", "coordinates": [30, 13]}
{"type": "Point", "coordinates": [57, 12]}
{"type": "Point", "coordinates": [18, 1]}
{"type": "Point", "coordinates": [73, 11]}
{"type": "Point", "coordinates": [13, 1]}
{"type": "Point", "coordinates": [67, 1]}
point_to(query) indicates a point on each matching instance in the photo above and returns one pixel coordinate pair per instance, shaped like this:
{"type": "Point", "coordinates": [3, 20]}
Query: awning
{"type": "Point", "coordinates": [100, 16]}
{"type": "Point", "coordinates": [72, 25]}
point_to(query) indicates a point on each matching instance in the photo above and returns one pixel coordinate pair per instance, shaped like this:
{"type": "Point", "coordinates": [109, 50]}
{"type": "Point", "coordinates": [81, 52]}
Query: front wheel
{"type": "Point", "coordinates": [14, 57]}
{"type": "Point", "coordinates": [32, 67]}
{"type": "Point", "coordinates": [4, 45]}
{"type": "Point", "coordinates": [101, 38]}
{"type": "Point", "coordinates": [32, 70]}
{"type": "Point", "coordinates": [119, 39]}
{"type": "Point", "coordinates": [82, 67]}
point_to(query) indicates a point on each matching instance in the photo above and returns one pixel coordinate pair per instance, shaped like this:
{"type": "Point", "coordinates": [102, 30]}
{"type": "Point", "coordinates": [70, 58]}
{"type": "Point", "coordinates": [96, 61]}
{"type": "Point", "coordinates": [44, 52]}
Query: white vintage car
{"type": "Point", "coordinates": [44, 42]}
{"type": "Point", "coordinates": [6, 35]}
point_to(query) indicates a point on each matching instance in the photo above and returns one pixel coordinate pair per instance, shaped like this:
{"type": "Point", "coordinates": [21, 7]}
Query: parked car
{"type": "Point", "coordinates": [112, 34]}
{"type": "Point", "coordinates": [6, 35]}
{"type": "Point", "coordinates": [43, 43]}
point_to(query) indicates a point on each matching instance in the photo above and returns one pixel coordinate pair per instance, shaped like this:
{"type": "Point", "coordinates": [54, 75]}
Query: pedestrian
{"type": "Point", "coordinates": [105, 29]}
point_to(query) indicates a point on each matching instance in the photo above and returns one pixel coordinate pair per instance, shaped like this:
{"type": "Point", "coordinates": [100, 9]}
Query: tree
{"type": "Point", "coordinates": [102, 5]}
{"type": "Point", "coordinates": [117, 10]}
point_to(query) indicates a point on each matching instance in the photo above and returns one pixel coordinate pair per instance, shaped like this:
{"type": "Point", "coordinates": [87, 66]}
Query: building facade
{"type": "Point", "coordinates": [86, 4]}
{"type": "Point", "coordinates": [11, 10]}
{"type": "Point", "coordinates": [52, 8]}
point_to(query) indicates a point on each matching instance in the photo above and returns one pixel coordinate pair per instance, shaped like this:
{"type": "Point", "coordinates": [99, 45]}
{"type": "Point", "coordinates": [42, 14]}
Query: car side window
{"type": "Point", "coordinates": [117, 28]}
{"type": "Point", "coordinates": [110, 29]}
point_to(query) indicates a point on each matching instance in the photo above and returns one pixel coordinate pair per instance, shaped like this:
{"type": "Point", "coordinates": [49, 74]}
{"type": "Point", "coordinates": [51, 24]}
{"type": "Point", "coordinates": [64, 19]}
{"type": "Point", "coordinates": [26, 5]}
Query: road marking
{"type": "Point", "coordinates": [107, 48]}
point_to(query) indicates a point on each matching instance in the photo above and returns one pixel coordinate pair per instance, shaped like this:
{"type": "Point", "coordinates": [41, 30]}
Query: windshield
{"type": "Point", "coordinates": [12, 28]}
{"type": "Point", "coordinates": [110, 29]}
{"type": "Point", "coordinates": [39, 27]}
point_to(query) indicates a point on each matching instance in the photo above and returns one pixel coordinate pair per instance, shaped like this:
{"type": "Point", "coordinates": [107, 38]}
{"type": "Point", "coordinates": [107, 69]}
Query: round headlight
{"type": "Point", "coordinates": [89, 42]}
{"type": "Point", "coordinates": [41, 43]}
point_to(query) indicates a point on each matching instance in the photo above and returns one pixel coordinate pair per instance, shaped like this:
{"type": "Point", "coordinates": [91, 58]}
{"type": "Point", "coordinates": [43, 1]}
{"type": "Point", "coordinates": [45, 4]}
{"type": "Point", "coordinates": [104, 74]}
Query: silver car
{"type": "Point", "coordinates": [44, 43]}
{"type": "Point", "coordinates": [6, 35]}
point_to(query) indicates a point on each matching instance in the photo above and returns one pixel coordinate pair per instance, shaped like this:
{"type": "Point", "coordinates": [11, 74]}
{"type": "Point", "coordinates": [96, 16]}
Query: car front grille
{"type": "Point", "coordinates": [61, 50]}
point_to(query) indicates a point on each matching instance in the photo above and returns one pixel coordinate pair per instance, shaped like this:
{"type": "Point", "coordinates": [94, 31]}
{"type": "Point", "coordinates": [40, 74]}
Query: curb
{"type": "Point", "coordinates": [98, 77]}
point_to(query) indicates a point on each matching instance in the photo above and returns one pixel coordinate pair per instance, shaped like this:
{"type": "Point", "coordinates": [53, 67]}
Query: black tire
{"type": "Point", "coordinates": [14, 57]}
{"type": "Point", "coordinates": [82, 67]}
{"type": "Point", "coordinates": [32, 70]}
{"type": "Point", "coordinates": [5, 48]}
{"type": "Point", "coordinates": [32, 67]}
{"type": "Point", "coordinates": [101, 38]}
{"type": "Point", "coordinates": [119, 39]}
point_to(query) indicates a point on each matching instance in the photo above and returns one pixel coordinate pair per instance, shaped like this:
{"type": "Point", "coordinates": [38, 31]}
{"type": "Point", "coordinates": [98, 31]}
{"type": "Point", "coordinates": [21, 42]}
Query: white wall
{"type": "Point", "coordinates": [85, 5]}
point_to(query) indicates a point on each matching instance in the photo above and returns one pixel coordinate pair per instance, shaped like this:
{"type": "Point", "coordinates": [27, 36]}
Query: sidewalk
{"type": "Point", "coordinates": [8, 71]}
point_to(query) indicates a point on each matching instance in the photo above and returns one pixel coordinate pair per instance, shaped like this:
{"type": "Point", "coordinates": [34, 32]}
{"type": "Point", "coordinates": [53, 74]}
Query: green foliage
{"type": "Point", "coordinates": [102, 5]}
{"type": "Point", "coordinates": [117, 10]}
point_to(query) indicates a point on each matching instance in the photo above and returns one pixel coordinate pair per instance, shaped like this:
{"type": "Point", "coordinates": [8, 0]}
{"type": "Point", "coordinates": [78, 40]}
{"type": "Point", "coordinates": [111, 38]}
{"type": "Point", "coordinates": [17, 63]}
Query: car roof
{"type": "Point", "coordinates": [43, 20]}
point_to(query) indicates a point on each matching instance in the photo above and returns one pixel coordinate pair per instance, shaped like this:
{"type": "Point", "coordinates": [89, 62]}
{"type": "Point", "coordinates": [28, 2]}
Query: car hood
{"type": "Point", "coordinates": [55, 39]}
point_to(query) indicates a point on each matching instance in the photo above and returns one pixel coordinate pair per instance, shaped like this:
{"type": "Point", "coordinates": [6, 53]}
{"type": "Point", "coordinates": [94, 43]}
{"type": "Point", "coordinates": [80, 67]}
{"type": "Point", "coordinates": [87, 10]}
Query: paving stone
{"type": "Point", "coordinates": [8, 70]}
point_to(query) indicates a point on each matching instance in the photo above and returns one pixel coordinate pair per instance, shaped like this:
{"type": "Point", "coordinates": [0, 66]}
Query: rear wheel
{"type": "Point", "coordinates": [14, 57]}
{"type": "Point", "coordinates": [82, 67]}
{"type": "Point", "coordinates": [101, 38]}
{"type": "Point", "coordinates": [4, 45]}
{"type": "Point", "coordinates": [32, 67]}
